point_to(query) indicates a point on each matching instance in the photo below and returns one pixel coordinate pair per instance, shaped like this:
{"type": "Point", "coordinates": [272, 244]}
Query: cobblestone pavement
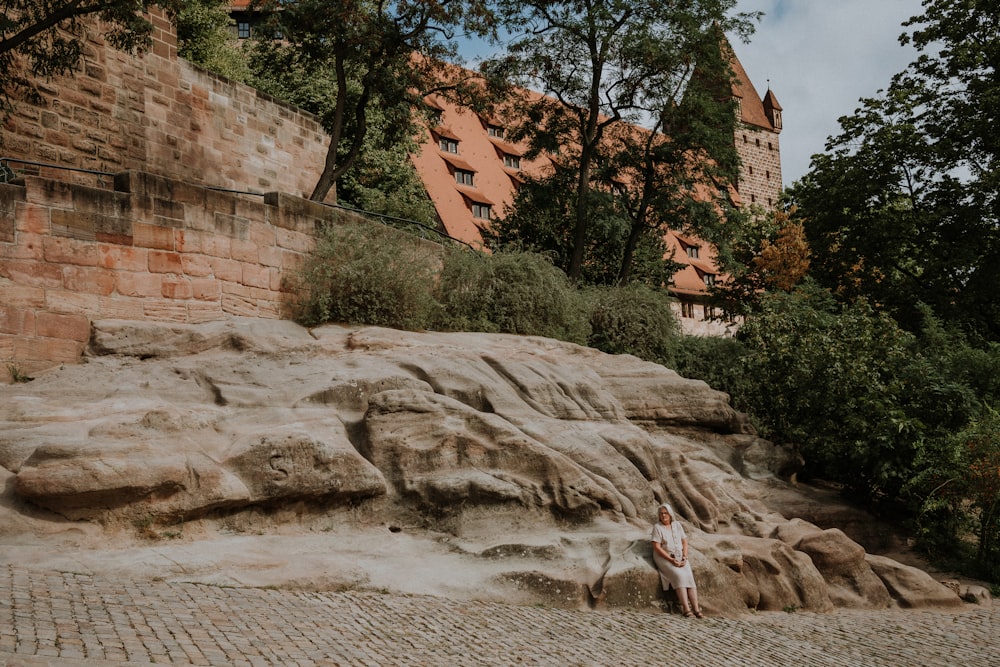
{"type": "Point", "coordinates": [59, 619]}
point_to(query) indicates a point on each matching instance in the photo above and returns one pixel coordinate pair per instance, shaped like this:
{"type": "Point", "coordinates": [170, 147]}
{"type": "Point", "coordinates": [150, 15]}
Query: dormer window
{"type": "Point", "coordinates": [464, 177]}
{"type": "Point", "coordinates": [243, 29]}
{"type": "Point", "coordinates": [448, 145]}
{"type": "Point", "coordinates": [692, 251]}
{"type": "Point", "coordinates": [709, 279]}
{"type": "Point", "coordinates": [512, 161]}
{"type": "Point", "coordinates": [496, 131]}
{"type": "Point", "coordinates": [481, 211]}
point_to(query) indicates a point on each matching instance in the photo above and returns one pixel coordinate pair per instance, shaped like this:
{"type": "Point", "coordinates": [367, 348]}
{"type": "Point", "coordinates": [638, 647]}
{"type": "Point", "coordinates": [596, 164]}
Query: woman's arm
{"type": "Point", "coordinates": [658, 548]}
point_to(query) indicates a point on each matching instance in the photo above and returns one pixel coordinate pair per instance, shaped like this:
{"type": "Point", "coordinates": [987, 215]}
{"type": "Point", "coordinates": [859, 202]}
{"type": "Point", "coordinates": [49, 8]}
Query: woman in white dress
{"type": "Point", "coordinates": [670, 552]}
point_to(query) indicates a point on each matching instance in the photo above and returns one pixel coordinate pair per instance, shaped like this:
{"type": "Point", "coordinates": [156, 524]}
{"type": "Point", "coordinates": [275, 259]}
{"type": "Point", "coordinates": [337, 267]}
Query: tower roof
{"type": "Point", "coordinates": [752, 109]}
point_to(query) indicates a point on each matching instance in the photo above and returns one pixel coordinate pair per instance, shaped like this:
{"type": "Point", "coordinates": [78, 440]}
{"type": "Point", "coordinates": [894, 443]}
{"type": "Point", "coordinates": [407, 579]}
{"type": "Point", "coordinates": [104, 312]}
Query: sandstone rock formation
{"type": "Point", "coordinates": [495, 466]}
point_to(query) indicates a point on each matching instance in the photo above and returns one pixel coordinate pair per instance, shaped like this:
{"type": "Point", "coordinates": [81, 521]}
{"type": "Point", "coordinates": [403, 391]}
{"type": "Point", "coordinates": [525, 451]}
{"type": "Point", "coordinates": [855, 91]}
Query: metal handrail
{"type": "Point", "coordinates": [382, 217]}
{"type": "Point", "coordinates": [5, 160]}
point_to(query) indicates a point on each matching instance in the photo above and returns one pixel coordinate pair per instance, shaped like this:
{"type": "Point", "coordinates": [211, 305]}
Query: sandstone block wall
{"type": "Point", "coordinates": [152, 248]}
{"type": "Point", "coordinates": [760, 172]}
{"type": "Point", "coordinates": [160, 114]}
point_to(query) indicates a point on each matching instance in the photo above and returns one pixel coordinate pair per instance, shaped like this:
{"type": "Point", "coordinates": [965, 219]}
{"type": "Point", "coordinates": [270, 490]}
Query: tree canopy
{"type": "Point", "coordinates": [335, 58]}
{"type": "Point", "coordinates": [601, 64]}
{"type": "Point", "coordinates": [903, 207]}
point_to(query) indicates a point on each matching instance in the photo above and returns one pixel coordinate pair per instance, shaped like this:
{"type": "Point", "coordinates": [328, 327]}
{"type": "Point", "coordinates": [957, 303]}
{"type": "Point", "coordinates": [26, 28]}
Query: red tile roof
{"type": "Point", "coordinates": [496, 184]}
{"type": "Point", "coordinates": [751, 105]}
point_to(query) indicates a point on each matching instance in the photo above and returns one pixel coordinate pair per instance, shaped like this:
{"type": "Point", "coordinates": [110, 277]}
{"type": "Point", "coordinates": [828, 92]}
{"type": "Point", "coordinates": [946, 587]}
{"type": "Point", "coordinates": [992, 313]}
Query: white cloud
{"type": "Point", "coordinates": [821, 57]}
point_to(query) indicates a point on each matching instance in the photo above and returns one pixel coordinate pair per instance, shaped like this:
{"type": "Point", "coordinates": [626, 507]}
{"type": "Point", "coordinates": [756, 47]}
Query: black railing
{"type": "Point", "coordinates": [7, 174]}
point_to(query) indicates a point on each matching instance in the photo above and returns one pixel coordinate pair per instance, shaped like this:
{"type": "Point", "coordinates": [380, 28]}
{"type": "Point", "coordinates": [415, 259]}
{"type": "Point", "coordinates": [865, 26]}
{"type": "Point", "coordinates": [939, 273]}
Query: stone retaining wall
{"type": "Point", "coordinates": [160, 114]}
{"type": "Point", "coordinates": [152, 248]}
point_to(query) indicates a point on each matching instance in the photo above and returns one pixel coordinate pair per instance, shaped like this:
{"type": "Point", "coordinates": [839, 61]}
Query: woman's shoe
{"type": "Point", "coordinates": [688, 613]}
{"type": "Point", "coordinates": [698, 614]}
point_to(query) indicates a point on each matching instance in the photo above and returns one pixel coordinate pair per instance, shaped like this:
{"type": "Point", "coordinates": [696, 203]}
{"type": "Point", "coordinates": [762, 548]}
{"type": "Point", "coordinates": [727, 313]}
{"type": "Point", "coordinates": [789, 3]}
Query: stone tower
{"type": "Point", "coordinates": [757, 130]}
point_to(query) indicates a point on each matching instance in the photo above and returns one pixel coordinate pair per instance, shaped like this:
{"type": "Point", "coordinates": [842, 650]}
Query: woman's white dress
{"type": "Point", "coordinates": [671, 538]}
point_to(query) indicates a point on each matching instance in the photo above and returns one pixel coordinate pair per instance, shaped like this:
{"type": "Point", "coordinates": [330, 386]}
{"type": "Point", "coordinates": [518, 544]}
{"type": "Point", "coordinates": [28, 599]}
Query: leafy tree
{"type": "Point", "coordinates": [676, 174]}
{"type": "Point", "coordinates": [204, 38]}
{"type": "Point", "coordinates": [43, 38]}
{"type": "Point", "coordinates": [844, 385]}
{"type": "Point", "coordinates": [904, 208]}
{"type": "Point", "coordinates": [600, 63]}
{"type": "Point", "coordinates": [383, 179]}
{"type": "Point", "coordinates": [537, 222]}
{"type": "Point", "coordinates": [770, 253]}
{"type": "Point", "coordinates": [336, 58]}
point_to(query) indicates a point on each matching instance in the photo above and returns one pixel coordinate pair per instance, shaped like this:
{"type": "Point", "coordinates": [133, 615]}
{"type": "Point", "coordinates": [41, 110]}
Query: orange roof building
{"type": "Point", "coordinates": [471, 172]}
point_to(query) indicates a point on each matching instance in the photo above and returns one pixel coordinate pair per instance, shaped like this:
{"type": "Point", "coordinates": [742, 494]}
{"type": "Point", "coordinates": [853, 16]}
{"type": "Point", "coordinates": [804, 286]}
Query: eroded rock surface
{"type": "Point", "coordinates": [509, 467]}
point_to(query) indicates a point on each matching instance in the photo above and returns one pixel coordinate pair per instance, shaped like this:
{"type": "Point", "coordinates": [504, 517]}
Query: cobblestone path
{"type": "Point", "coordinates": [53, 619]}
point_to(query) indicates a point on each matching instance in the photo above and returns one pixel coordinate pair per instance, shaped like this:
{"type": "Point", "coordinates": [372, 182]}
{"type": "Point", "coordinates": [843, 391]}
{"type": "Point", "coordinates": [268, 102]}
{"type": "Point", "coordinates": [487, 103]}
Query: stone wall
{"type": "Point", "coordinates": [152, 248]}
{"type": "Point", "coordinates": [160, 114]}
{"type": "Point", "coordinates": [760, 166]}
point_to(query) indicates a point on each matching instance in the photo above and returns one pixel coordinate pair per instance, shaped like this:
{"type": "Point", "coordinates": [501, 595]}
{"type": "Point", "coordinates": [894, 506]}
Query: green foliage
{"type": "Point", "coordinates": [604, 64]}
{"type": "Point", "coordinates": [367, 274]}
{"type": "Point", "coordinates": [539, 221]}
{"type": "Point", "coordinates": [715, 359]}
{"type": "Point", "coordinates": [966, 495]}
{"type": "Point", "coordinates": [829, 379]}
{"type": "Point", "coordinates": [383, 179]}
{"type": "Point", "coordinates": [905, 207]}
{"type": "Point", "coordinates": [634, 319]}
{"type": "Point", "coordinates": [906, 423]}
{"type": "Point", "coordinates": [510, 292]}
{"type": "Point", "coordinates": [204, 38]}
{"type": "Point", "coordinates": [340, 59]}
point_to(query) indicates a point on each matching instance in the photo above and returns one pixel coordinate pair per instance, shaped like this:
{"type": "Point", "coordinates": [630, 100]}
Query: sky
{"type": "Point", "coordinates": [821, 57]}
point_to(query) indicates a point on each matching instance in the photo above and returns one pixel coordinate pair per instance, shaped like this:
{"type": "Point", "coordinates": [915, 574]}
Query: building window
{"type": "Point", "coordinates": [709, 312]}
{"type": "Point", "coordinates": [758, 143]}
{"type": "Point", "coordinates": [243, 29]}
{"type": "Point", "coordinates": [687, 309]}
{"type": "Point", "coordinates": [709, 279]}
{"type": "Point", "coordinates": [745, 140]}
{"type": "Point", "coordinates": [464, 177]}
{"type": "Point", "coordinates": [753, 199]}
{"type": "Point", "coordinates": [768, 174]}
{"type": "Point", "coordinates": [751, 169]}
{"type": "Point", "coordinates": [692, 251]}
{"type": "Point", "coordinates": [481, 211]}
{"type": "Point", "coordinates": [496, 131]}
{"type": "Point", "coordinates": [512, 161]}
{"type": "Point", "coordinates": [448, 145]}
{"type": "Point", "coordinates": [770, 147]}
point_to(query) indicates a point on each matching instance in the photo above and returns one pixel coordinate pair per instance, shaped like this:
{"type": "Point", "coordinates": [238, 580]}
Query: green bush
{"type": "Point", "coordinates": [367, 274]}
{"type": "Point", "coordinates": [510, 292]}
{"type": "Point", "coordinates": [634, 319]}
{"type": "Point", "coordinates": [714, 359]}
